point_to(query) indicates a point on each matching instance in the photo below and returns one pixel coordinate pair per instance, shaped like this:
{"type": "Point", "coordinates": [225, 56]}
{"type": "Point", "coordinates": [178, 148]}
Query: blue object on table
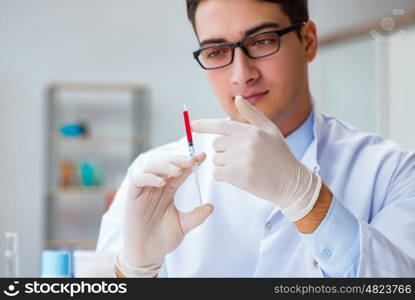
{"type": "Point", "coordinates": [73, 130]}
{"type": "Point", "coordinates": [87, 173]}
{"type": "Point", "coordinates": [56, 263]}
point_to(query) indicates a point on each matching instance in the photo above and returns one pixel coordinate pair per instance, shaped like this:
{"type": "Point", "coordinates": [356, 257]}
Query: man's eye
{"type": "Point", "coordinates": [215, 53]}
{"type": "Point", "coordinates": [264, 42]}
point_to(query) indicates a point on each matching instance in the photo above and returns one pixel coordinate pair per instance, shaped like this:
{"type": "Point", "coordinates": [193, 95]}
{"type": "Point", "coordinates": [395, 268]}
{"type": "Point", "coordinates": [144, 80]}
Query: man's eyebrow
{"type": "Point", "coordinates": [247, 33]}
{"type": "Point", "coordinates": [212, 41]}
{"type": "Point", "coordinates": [260, 27]}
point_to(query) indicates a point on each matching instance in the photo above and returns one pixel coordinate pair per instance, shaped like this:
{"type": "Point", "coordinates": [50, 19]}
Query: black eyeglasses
{"type": "Point", "coordinates": [256, 46]}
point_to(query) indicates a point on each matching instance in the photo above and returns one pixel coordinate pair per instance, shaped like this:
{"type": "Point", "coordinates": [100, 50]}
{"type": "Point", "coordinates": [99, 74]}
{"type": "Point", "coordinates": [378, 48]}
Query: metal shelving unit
{"type": "Point", "coordinates": [117, 128]}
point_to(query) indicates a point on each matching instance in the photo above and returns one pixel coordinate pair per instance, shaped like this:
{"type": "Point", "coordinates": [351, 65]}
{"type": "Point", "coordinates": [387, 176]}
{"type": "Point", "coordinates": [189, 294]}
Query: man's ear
{"type": "Point", "coordinates": [310, 40]}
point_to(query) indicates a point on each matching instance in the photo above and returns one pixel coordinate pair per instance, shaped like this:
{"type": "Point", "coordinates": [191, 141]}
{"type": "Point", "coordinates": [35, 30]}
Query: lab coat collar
{"type": "Point", "coordinates": [301, 138]}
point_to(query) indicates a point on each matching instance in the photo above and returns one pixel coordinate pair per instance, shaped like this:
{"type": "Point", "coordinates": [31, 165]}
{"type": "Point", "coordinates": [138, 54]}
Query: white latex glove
{"type": "Point", "coordinates": [153, 226]}
{"type": "Point", "coordinates": [255, 158]}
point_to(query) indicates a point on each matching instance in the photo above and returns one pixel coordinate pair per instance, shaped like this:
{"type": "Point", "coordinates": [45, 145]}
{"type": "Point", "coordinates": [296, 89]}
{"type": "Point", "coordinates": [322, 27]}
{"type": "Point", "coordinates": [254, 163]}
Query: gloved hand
{"type": "Point", "coordinates": [153, 226]}
{"type": "Point", "coordinates": [255, 158]}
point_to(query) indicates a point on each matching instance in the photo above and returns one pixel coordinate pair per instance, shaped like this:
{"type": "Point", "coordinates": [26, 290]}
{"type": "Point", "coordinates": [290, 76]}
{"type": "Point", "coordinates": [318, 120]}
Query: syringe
{"type": "Point", "coordinates": [191, 147]}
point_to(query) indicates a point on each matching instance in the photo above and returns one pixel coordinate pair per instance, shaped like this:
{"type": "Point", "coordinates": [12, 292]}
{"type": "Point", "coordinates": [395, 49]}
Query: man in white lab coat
{"type": "Point", "coordinates": [287, 191]}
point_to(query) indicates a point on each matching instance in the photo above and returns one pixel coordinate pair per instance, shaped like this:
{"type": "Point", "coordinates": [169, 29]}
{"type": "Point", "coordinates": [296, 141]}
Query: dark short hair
{"type": "Point", "coordinates": [296, 10]}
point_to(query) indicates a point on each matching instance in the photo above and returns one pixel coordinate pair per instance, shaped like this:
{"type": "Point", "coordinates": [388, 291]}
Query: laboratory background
{"type": "Point", "coordinates": [87, 85]}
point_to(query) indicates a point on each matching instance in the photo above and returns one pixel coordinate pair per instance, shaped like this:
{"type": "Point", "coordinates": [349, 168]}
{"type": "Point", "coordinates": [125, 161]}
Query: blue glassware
{"type": "Point", "coordinates": [56, 263]}
{"type": "Point", "coordinates": [73, 130]}
{"type": "Point", "coordinates": [87, 174]}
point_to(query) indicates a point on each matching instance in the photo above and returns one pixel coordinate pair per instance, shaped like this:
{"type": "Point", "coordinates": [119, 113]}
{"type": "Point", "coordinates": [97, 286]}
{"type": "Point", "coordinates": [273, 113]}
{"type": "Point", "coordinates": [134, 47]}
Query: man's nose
{"type": "Point", "coordinates": [243, 69]}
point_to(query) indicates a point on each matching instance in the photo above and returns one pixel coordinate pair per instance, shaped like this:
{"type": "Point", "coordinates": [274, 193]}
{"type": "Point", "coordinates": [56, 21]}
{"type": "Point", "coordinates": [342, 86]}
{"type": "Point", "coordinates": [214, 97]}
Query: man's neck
{"type": "Point", "coordinates": [293, 118]}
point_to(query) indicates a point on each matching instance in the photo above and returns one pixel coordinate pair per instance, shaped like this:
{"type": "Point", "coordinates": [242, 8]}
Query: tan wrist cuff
{"type": "Point", "coordinates": [123, 269]}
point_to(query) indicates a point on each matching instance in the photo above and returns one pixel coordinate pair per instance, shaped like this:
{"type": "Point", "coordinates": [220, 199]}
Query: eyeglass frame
{"type": "Point", "coordinates": [233, 46]}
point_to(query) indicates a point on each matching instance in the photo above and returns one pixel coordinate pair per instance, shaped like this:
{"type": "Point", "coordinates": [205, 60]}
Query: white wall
{"type": "Point", "coordinates": [343, 79]}
{"type": "Point", "coordinates": [367, 81]}
{"type": "Point", "coordinates": [402, 89]}
{"type": "Point", "coordinates": [332, 16]}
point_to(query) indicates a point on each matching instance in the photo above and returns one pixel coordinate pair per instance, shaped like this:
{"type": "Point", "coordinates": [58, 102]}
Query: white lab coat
{"type": "Point", "coordinates": [249, 237]}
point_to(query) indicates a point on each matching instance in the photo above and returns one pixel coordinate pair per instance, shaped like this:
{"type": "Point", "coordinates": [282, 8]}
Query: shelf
{"type": "Point", "coordinates": [100, 140]}
{"type": "Point", "coordinates": [117, 129]}
{"type": "Point", "coordinates": [89, 86]}
{"type": "Point", "coordinates": [71, 244]}
{"type": "Point", "coordinates": [80, 192]}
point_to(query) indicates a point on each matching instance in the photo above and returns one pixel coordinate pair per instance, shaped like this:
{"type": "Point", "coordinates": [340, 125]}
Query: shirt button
{"type": "Point", "coordinates": [268, 225]}
{"type": "Point", "coordinates": [326, 253]}
{"type": "Point", "coordinates": [315, 264]}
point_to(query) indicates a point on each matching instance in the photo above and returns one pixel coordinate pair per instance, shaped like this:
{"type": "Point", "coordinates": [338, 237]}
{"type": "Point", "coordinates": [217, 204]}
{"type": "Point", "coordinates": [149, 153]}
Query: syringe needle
{"type": "Point", "coordinates": [198, 187]}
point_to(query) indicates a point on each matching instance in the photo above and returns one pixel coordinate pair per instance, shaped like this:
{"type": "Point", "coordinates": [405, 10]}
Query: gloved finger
{"type": "Point", "coordinates": [176, 182]}
{"type": "Point", "coordinates": [196, 217]}
{"type": "Point", "coordinates": [179, 161]}
{"type": "Point", "coordinates": [147, 180]}
{"type": "Point", "coordinates": [220, 173]}
{"type": "Point", "coordinates": [217, 126]}
{"type": "Point", "coordinates": [224, 143]}
{"type": "Point", "coordinates": [222, 158]}
{"type": "Point", "coordinates": [162, 168]}
{"type": "Point", "coordinates": [198, 159]}
{"type": "Point", "coordinates": [182, 161]}
{"type": "Point", "coordinates": [252, 114]}
{"type": "Point", "coordinates": [170, 188]}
